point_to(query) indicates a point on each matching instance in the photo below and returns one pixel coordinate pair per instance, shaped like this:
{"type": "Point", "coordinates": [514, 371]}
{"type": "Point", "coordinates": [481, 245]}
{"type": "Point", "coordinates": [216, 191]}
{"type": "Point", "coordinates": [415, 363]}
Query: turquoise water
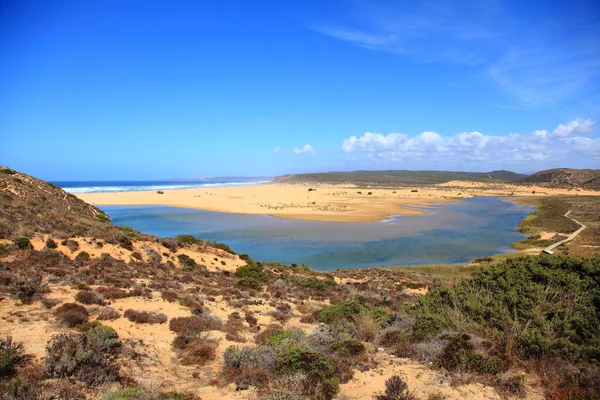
{"type": "Point", "coordinates": [450, 233]}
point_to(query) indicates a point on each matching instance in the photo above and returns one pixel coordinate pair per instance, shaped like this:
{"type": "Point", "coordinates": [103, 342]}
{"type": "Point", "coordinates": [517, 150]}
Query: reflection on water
{"type": "Point", "coordinates": [450, 233]}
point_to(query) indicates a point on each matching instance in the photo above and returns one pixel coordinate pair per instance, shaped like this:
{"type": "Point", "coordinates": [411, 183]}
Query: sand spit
{"type": "Point", "coordinates": [331, 203]}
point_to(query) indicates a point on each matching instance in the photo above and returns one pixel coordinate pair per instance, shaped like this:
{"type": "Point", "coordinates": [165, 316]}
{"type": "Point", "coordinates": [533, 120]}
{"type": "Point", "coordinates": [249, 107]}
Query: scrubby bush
{"type": "Point", "coordinates": [186, 239]}
{"type": "Point", "coordinates": [88, 357]}
{"type": "Point", "coordinates": [273, 336]}
{"type": "Point", "coordinates": [169, 295]}
{"type": "Point", "coordinates": [317, 367]}
{"type": "Point", "coordinates": [50, 303]}
{"type": "Point", "coordinates": [249, 365]}
{"type": "Point", "coordinates": [460, 354]}
{"type": "Point", "coordinates": [246, 258]}
{"type": "Point", "coordinates": [347, 348]}
{"type": "Point", "coordinates": [195, 323]}
{"type": "Point", "coordinates": [250, 283]}
{"type": "Point", "coordinates": [71, 314]}
{"type": "Point", "coordinates": [145, 317]}
{"type": "Point", "coordinates": [345, 310]}
{"type": "Point", "coordinates": [221, 246]}
{"type": "Point", "coordinates": [23, 243]}
{"type": "Point", "coordinates": [126, 394]}
{"type": "Point", "coordinates": [12, 356]}
{"type": "Point", "coordinates": [396, 389]}
{"type": "Point", "coordinates": [51, 244]}
{"type": "Point", "coordinates": [88, 297]}
{"type": "Point", "coordinates": [199, 353]}
{"type": "Point", "coordinates": [72, 245]}
{"type": "Point", "coordinates": [7, 171]}
{"type": "Point", "coordinates": [2, 249]}
{"type": "Point", "coordinates": [252, 271]}
{"type": "Point", "coordinates": [521, 303]}
{"type": "Point", "coordinates": [30, 288]}
{"type": "Point", "coordinates": [186, 261]}
{"type": "Point", "coordinates": [108, 313]}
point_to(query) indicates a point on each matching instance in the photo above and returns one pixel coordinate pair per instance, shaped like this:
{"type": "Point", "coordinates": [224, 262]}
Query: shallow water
{"type": "Point", "coordinates": [450, 233]}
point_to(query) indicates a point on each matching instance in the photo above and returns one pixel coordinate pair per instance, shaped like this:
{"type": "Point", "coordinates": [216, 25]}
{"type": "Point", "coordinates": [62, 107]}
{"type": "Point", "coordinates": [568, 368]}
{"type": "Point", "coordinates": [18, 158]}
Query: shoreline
{"type": "Point", "coordinates": [324, 203]}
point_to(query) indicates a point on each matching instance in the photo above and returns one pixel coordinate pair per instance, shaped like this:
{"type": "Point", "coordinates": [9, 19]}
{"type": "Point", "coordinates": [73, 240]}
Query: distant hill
{"type": "Point", "coordinates": [565, 178]}
{"type": "Point", "coordinates": [399, 177]}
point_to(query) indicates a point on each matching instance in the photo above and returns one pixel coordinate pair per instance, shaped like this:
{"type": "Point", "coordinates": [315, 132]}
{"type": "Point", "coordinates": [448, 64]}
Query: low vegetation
{"type": "Point", "coordinates": [287, 332]}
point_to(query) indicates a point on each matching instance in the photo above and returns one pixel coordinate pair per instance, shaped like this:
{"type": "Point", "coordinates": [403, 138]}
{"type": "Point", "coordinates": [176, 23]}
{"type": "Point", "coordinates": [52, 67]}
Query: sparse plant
{"type": "Point", "coordinates": [12, 356]}
{"type": "Point", "coordinates": [195, 323]}
{"type": "Point", "coordinates": [145, 317]}
{"type": "Point", "coordinates": [396, 389]}
{"type": "Point", "coordinates": [89, 297]}
{"type": "Point", "coordinates": [88, 357]}
{"type": "Point", "coordinates": [108, 313]}
{"type": "Point", "coordinates": [71, 314]}
{"type": "Point", "coordinates": [23, 243]}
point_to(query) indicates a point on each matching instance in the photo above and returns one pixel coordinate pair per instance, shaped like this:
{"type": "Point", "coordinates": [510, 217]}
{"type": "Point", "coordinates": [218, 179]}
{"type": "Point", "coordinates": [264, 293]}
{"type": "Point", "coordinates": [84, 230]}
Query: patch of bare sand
{"type": "Point", "coordinates": [208, 256]}
{"type": "Point", "coordinates": [421, 380]}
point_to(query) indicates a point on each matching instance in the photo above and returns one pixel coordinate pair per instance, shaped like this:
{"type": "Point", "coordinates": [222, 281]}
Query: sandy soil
{"type": "Point", "coordinates": [341, 203]}
{"type": "Point", "coordinates": [156, 366]}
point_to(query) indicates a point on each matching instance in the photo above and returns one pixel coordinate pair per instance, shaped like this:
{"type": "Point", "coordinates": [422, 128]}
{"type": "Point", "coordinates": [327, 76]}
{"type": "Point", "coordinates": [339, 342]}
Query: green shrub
{"type": "Point", "coordinates": [317, 367]}
{"type": "Point", "coordinates": [51, 244]}
{"type": "Point", "coordinates": [88, 357]}
{"type": "Point", "coordinates": [249, 283]}
{"type": "Point", "coordinates": [7, 171]}
{"type": "Point", "coordinates": [533, 307]}
{"type": "Point", "coordinates": [312, 283]}
{"type": "Point", "coordinates": [425, 328]}
{"type": "Point", "coordinates": [125, 394]}
{"type": "Point", "coordinates": [186, 239]}
{"type": "Point", "coordinates": [347, 348]}
{"type": "Point", "coordinates": [274, 337]}
{"type": "Point", "coordinates": [345, 310]}
{"type": "Point", "coordinates": [23, 243]}
{"type": "Point", "coordinates": [252, 271]}
{"type": "Point", "coordinates": [396, 389]}
{"type": "Point", "coordinates": [246, 258]}
{"type": "Point", "coordinates": [186, 261]}
{"type": "Point", "coordinates": [460, 354]}
{"type": "Point", "coordinates": [2, 249]}
{"type": "Point", "coordinates": [87, 326]}
{"type": "Point", "coordinates": [103, 217]}
{"type": "Point", "coordinates": [221, 246]}
{"type": "Point", "coordinates": [11, 356]}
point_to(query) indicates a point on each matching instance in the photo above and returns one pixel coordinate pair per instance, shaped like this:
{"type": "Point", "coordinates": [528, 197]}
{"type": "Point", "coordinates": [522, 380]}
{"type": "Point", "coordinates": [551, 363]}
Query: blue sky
{"type": "Point", "coordinates": [160, 89]}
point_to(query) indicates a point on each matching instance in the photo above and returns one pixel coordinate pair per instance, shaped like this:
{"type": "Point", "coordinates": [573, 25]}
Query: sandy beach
{"type": "Point", "coordinates": [331, 203]}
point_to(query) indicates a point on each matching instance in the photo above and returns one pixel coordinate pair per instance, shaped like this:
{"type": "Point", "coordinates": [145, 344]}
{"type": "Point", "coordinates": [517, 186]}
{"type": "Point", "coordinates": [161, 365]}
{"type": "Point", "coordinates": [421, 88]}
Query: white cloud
{"type": "Point", "coordinates": [306, 149]}
{"type": "Point", "coordinates": [471, 148]}
{"type": "Point", "coordinates": [277, 149]}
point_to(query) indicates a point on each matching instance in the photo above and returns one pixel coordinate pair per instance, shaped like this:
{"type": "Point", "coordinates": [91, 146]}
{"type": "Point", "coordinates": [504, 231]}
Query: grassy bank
{"type": "Point", "coordinates": [549, 217]}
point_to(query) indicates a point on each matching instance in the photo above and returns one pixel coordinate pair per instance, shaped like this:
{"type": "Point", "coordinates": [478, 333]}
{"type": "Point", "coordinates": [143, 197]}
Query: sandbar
{"type": "Point", "coordinates": [323, 202]}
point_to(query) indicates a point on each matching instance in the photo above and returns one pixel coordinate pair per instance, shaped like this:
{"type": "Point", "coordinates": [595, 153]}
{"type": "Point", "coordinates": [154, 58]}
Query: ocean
{"type": "Point", "coordinates": [131, 186]}
{"type": "Point", "coordinates": [449, 234]}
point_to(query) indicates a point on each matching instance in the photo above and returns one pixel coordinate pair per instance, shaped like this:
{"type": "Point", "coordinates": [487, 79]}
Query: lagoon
{"type": "Point", "coordinates": [450, 233]}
